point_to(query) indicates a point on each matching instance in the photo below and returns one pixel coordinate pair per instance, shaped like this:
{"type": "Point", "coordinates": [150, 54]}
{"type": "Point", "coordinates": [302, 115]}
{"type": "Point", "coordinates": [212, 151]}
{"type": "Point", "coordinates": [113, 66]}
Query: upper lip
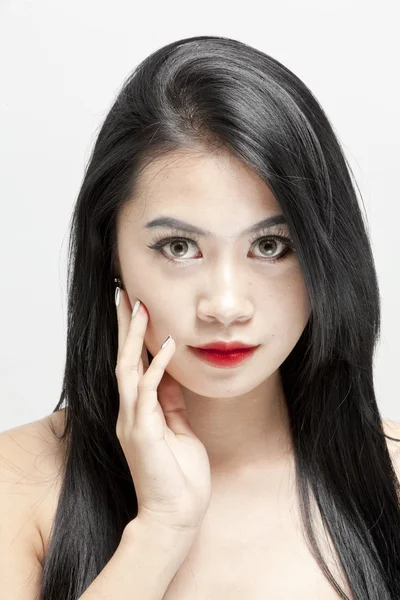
{"type": "Point", "coordinates": [225, 346]}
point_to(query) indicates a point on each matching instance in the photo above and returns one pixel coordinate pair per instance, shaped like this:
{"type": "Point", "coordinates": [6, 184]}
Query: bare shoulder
{"type": "Point", "coordinates": [31, 464]}
{"type": "Point", "coordinates": [31, 471]}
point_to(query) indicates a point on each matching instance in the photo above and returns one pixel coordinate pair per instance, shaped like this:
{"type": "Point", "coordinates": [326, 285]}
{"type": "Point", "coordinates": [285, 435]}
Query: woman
{"type": "Point", "coordinates": [218, 195]}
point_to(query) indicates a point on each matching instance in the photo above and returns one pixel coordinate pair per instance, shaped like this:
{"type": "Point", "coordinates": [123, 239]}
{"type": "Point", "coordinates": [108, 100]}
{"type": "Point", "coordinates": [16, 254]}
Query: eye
{"type": "Point", "coordinates": [179, 248]}
{"type": "Point", "coordinates": [180, 245]}
{"type": "Point", "coordinates": [269, 245]}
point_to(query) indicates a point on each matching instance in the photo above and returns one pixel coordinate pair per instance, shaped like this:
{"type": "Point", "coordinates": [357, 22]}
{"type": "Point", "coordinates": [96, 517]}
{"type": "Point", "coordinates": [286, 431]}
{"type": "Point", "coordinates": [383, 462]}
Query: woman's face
{"type": "Point", "coordinates": [221, 285]}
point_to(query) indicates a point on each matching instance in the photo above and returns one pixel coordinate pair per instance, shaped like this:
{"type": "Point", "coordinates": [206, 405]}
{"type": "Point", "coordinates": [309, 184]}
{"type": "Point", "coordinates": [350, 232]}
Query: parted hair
{"type": "Point", "coordinates": [221, 94]}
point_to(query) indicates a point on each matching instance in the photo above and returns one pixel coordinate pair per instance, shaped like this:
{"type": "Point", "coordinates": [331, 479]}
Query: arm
{"type": "Point", "coordinates": [143, 565]}
{"type": "Point", "coordinates": [141, 568]}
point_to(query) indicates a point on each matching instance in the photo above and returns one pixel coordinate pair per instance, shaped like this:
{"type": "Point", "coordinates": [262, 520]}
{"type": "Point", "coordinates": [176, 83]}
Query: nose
{"type": "Point", "coordinates": [227, 300]}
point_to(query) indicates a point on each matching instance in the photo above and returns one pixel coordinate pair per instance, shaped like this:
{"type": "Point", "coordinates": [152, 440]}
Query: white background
{"type": "Point", "coordinates": [62, 64]}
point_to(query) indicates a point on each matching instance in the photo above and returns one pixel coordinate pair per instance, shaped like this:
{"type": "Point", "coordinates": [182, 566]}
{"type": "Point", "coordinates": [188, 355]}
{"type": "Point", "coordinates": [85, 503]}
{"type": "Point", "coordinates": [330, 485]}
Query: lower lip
{"type": "Point", "coordinates": [223, 359]}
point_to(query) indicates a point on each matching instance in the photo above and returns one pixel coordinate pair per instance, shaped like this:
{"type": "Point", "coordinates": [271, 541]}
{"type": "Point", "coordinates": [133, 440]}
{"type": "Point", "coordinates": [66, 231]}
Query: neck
{"type": "Point", "coordinates": [245, 431]}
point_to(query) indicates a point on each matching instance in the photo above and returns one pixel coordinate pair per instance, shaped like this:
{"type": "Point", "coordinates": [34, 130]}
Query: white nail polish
{"type": "Point", "coordinates": [166, 342]}
{"type": "Point", "coordinates": [117, 295]}
{"type": "Point", "coordinates": [135, 308]}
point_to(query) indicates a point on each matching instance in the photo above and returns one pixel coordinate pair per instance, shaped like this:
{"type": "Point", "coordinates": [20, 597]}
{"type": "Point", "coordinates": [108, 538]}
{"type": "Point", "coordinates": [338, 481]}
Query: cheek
{"type": "Point", "coordinates": [289, 307]}
{"type": "Point", "coordinates": [298, 303]}
{"type": "Point", "coordinates": [163, 321]}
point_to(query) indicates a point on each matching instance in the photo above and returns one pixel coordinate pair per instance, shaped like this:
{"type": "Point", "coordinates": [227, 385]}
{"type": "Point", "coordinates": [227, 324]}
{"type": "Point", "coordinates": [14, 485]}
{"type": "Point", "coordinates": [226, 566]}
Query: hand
{"type": "Point", "coordinates": [169, 465]}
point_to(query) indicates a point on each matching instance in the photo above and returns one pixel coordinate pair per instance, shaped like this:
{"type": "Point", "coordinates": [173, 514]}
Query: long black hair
{"type": "Point", "coordinates": [218, 93]}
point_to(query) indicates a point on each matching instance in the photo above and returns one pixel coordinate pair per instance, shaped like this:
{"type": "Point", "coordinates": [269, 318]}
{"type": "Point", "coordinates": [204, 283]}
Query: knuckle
{"type": "Point", "coordinates": [121, 431]}
{"type": "Point", "coordinates": [125, 368]}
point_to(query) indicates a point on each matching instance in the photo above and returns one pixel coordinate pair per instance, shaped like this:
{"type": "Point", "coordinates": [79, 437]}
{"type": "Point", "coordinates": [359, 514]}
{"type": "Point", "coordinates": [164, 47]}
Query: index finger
{"type": "Point", "coordinates": [124, 317]}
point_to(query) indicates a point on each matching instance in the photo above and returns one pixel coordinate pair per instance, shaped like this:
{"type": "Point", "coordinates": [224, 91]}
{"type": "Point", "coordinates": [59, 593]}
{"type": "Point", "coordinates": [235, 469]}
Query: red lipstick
{"type": "Point", "coordinates": [224, 354]}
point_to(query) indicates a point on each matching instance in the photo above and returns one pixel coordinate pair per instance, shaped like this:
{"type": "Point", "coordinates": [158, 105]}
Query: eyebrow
{"type": "Point", "coordinates": [173, 223]}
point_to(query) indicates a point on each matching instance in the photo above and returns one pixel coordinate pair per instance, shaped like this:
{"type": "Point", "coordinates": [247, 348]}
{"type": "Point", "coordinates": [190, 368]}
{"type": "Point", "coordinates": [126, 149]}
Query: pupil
{"type": "Point", "coordinates": [270, 242]}
{"type": "Point", "coordinates": [179, 244]}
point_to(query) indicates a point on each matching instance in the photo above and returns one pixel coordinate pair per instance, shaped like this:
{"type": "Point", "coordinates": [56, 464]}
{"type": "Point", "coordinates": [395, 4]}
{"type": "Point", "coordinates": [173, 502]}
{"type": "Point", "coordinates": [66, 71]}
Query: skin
{"type": "Point", "coordinates": [223, 287]}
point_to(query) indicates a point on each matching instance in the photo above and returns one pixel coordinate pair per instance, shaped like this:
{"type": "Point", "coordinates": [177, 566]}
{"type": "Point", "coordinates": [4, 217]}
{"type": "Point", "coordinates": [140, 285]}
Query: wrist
{"type": "Point", "coordinates": [163, 536]}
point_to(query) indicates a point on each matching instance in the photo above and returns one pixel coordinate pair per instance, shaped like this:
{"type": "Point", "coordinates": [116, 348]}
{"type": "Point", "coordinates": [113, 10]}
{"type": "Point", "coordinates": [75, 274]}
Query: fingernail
{"type": "Point", "coordinates": [166, 342]}
{"type": "Point", "coordinates": [117, 295]}
{"type": "Point", "coordinates": [135, 308]}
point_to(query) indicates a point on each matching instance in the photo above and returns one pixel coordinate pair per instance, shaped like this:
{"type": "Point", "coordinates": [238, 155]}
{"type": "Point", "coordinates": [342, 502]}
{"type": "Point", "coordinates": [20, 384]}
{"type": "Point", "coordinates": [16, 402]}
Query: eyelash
{"type": "Point", "coordinates": [160, 242]}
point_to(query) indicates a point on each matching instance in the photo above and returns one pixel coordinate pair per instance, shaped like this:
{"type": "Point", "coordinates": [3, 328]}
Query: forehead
{"type": "Point", "coordinates": [201, 185]}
